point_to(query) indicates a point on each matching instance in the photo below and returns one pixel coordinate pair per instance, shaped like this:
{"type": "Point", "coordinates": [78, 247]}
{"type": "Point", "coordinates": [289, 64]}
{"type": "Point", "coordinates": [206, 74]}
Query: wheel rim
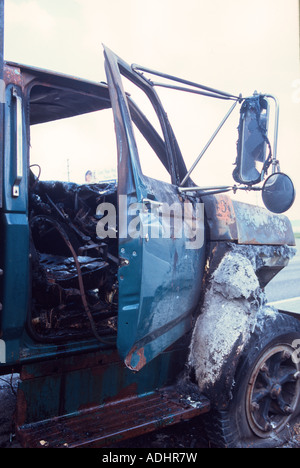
{"type": "Point", "coordinates": [273, 391]}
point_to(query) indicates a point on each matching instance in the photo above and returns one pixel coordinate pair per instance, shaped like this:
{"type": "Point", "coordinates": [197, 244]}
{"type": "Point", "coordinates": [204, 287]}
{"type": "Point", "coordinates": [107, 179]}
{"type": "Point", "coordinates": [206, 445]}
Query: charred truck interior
{"type": "Point", "coordinates": [74, 273]}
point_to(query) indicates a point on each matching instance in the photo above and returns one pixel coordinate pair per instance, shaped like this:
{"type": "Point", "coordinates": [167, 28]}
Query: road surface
{"type": "Point", "coordinates": [284, 290]}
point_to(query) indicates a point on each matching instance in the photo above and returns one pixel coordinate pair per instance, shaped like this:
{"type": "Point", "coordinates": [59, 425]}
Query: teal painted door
{"type": "Point", "coordinates": [161, 235]}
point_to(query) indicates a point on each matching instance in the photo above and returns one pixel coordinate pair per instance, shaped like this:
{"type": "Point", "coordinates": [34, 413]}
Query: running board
{"type": "Point", "coordinates": [111, 423]}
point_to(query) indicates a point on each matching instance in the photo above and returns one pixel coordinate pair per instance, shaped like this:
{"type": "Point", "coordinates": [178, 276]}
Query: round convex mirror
{"type": "Point", "coordinates": [278, 193]}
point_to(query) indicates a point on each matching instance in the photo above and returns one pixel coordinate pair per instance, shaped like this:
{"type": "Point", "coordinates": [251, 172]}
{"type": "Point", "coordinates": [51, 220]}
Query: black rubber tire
{"type": "Point", "coordinates": [230, 427]}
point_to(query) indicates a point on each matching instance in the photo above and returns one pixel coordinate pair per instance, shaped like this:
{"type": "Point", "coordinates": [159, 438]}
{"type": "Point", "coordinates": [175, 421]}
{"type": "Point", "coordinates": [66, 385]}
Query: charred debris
{"type": "Point", "coordinates": [74, 273]}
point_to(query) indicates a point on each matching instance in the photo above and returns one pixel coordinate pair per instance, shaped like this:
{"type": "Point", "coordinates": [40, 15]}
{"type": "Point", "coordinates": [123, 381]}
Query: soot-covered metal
{"type": "Point", "coordinates": [74, 273]}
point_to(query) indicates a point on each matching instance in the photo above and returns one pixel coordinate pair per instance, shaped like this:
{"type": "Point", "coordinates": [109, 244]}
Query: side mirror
{"type": "Point", "coordinates": [278, 193]}
{"type": "Point", "coordinates": [253, 141]}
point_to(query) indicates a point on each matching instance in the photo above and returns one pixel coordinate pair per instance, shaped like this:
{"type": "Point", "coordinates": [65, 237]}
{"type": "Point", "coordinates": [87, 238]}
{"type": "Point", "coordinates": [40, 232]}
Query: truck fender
{"type": "Point", "coordinates": [233, 304]}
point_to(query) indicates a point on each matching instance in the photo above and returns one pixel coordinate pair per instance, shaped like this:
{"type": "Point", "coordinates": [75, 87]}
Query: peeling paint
{"type": "Point", "coordinates": [233, 305]}
{"type": "Point", "coordinates": [232, 220]}
{"type": "Point", "coordinates": [136, 359]}
{"type": "Point", "coordinates": [227, 318]}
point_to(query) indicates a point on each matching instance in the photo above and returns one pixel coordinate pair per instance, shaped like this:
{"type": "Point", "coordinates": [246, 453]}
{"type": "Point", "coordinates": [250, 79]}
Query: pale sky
{"type": "Point", "coordinates": [235, 45]}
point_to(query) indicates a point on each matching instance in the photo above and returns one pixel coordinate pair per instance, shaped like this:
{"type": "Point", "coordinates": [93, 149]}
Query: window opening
{"type": "Point", "coordinates": [74, 271]}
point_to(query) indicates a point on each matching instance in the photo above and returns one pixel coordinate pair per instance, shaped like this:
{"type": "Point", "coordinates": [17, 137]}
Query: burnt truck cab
{"type": "Point", "coordinates": [104, 282]}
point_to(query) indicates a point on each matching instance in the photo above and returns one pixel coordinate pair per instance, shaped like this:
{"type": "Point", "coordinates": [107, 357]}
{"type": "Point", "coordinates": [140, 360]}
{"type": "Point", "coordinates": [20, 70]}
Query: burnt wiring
{"type": "Point", "coordinates": [66, 240]}
{"type": "Point", "coordinates": [10, 383]}
{"type": "Point", "coordinates": [37, 178]}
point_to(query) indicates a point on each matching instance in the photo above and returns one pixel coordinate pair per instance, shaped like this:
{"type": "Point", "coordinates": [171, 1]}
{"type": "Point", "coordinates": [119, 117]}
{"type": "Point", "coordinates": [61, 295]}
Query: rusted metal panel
{"type": "Point", "coordinates": [112, 423]}
{"type": "Point", "coordinates": [94, 400]}
{"type": "Point", "coordinates": [231, 220]}
{"type": "Point", "coordinates": [140, 353]}
{"type": "Point", "coordinates": [220, 216]}
{"type": "Point", "coordinates": [256, 225]}
{"type": "Point", "coordinates": [70, 385]}
{"type": "Point", "coordinates": [13, 75]}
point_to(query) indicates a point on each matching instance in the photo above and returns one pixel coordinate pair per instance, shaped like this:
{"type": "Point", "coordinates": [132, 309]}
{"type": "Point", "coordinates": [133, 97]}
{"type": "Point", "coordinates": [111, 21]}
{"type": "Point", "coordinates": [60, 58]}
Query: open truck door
{"type": "Point", "coordinates": [161, 251]}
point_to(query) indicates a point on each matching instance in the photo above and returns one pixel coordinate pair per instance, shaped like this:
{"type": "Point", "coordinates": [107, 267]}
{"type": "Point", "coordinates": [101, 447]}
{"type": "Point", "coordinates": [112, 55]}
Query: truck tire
{"type": "Point", "coordinates": [266, 394]}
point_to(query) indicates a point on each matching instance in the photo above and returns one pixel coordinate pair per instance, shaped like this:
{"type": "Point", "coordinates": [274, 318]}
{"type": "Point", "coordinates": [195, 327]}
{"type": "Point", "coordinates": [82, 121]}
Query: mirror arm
{"type": "Point", "coordinates": [275, 163]}
{"type": "Point", "coordinates": [218, 189]}
{"type": "Point", "coordinates": [208, 143]}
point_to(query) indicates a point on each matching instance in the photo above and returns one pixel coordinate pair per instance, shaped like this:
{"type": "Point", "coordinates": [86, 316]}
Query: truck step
{"type": "Point", "coordinates": [113, 422]}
